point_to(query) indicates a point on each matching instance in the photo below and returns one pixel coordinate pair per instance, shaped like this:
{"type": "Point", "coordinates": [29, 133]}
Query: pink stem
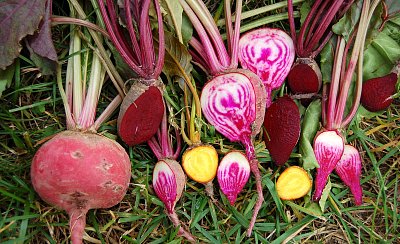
{"type": "Point", "coordinates": [132, 32]}
{"type": "Point", "coordinates": [178, 145]}
{"type": "Point", "coordinates": [334, 86]}
{"type": "Point", "coordinates": [107, 112]}
{"type": "Point", "coordinates": [228, 25]}
{"type": "Point", "coordinates": [236, 37]}
{"type": "Point", "coordinates": [291, 22]}
{"type": "Point", "coordinates": [212, 60]}
{"type": "Point", "coordinates": [77, 223]}
{"type": "Point", "coordinates": [116, 41]}
{"type": "Point", "coordinates": [161, 42]}
{"type": "Point", "coordinates": [155, 148]}
{"type": "Point", "coordinates": [324, 104]}
{"type": "Point", "coordinates": [146, 39]}
{"type": "Point", "coordinates": [182, 232]}
{"type": "Point", "coordinates": [304, 27]}
{"type": "Point", "coordinates": [317, 20]}
{"type": "Point", "coordinates": [251, 156]}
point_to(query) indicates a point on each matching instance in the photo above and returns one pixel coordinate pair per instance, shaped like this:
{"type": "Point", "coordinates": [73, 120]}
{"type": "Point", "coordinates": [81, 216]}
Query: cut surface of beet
{"type": "Point", "coordinates": [304, 78]}
{"type": "Point", "coordinates": [140, 119]}
{"type": "Point", "coordinates": [376, 93]}
{"type": "Point", "coordinates": [282, 127]}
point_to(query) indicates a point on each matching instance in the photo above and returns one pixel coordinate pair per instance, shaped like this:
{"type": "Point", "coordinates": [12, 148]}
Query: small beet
{"type": "Point", "coordinates": [140, 114]}
{"type": "Point", "coordinates": [282, 127]}
{"type": "Point", "coordinates": [233, 174]}
{"type": "Point", "coordinates": [305, 77]}
{"type": "Point", "coordinates": [293, 183]}
{"type": "Point", "coordinates": [349, 170]}
{"type": "Point", "coordinates": [377, 92]}
{"type": "Point", "coordinates": [328, 149]}
{"type": "Point", "coordinates": [200, 163]}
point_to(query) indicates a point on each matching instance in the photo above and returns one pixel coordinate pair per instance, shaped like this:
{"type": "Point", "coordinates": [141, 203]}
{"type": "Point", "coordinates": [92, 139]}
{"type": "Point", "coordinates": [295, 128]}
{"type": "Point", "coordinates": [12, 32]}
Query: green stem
{"type": "Point", "coordinates": [70, 121]}
{"type": "Point", "coordinates": [56, 20]}
{"type": "Point", "coordinates": [262, 10]}
{"type": "Point", "coordinates": [77, 91]}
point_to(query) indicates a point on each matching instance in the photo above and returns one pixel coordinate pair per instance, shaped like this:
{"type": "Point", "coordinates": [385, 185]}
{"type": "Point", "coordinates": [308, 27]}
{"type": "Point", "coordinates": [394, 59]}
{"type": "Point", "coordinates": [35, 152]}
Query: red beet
{"type": "Point", "coordinates": [300, 83]}
{"type": "Point", "coordinates": [377, 92]}
{"type": "Point", "coordinates": [142, 108]}
{"type": "Point", "coordinates": [140, 114]}
{"type": "Point", "coordinates": [78, 171]}
{"type": "Point", "coordinates": [282, 127]}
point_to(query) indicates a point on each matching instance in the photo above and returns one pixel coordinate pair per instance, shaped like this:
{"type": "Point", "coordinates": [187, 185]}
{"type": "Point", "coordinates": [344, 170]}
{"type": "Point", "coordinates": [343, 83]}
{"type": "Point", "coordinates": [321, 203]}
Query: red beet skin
{"type": "Point", "coordinates": [305, 77]}
{"type": "Point", "coordinates": [140, 114]}
{"type": "Point", "coordinates": [376, 93]}
{"type": "Point", "coordinates": [282, 125]}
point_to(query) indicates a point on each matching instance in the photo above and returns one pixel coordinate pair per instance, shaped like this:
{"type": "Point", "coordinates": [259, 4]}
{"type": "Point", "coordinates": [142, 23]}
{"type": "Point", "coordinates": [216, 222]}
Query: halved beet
{"type": "Point", "coordinates": [305, 77]}
{"type": "Point", "coordinates": [282, 127]}
{"type": "Point", "coordinates": [269, 53]}
{"type": "Point", "coordinates": [377, 92]}
{"type": "Point", "coordinates": [140, 114]}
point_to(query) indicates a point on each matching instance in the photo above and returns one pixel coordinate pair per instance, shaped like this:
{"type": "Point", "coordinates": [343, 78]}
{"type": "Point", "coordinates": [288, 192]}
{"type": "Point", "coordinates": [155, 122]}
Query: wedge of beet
{"type": "Point", "coordinates": [305, 84]}
{"type": "Point", "coordinates": [140, 114]}
{"type": "Point", "coordinates": [282, 128]}
{"type": "Point", "coordinates": [377, 92]}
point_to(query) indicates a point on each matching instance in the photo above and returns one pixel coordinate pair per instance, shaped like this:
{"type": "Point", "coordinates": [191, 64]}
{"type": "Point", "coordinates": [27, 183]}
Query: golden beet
{"type": "Point", "coordinates": [293, 183]}
{"type": "Point", "coordinates": [200, 163]}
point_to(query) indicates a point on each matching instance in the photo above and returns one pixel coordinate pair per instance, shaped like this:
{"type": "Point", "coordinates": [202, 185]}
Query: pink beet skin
{"type": "Point", "coordinates": [78, 171]}
{"type": "Point", "coordinates": [349, 170]}
{"type": "Point", "coordinates": [328, 149]}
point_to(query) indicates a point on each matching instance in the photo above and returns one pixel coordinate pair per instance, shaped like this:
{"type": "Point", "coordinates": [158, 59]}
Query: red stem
{"type": "Point", "coordinates": [182, 232]}
{"type": "Point", "coordinates": [236, 36]}
{"type": "Point", "coordinates": [303, 29]}
{"type": "Point", "coordinates": [77, 223]}
{"type": "Point", "coordinates": [212, 60]}
{"type": "Point", "coordinates": [161, 42]}
{"type": "Point", "coordinates": [291, 22]}
{"type": "Point", "coordinates": [317, 21]}
{"type": "Point", "coordinates": [146, 39]}
{"type": "Point", "coordinates": [131, 31]}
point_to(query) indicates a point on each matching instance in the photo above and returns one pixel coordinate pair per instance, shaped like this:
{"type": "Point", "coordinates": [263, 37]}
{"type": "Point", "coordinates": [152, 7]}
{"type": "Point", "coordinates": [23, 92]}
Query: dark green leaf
{"type": "Point", "coordinates": [18, 18]}
{"type": "Point", "coordinates": [304, 10]}
{"type": "Point", "coordinates": [310, 126]}
{"type": "Point", "coordinates": [327, 56]}
{"type": "Point", "coordinates": [345, 26]}
{"type": "Point", "coordinates": [6, 77]}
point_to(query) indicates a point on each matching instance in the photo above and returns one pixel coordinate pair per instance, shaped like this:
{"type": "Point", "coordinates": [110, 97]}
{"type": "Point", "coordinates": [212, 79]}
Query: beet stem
{"type": "Point", "coordinates": [77, 223]}
{"type": "Point", "coordinates": [182, 232]}
{"type": "Point", "coordinates": [291, 22]}
{"type": "Point", "coordinates": [303, 29]}
{"type": "Point", "coordinates": [131, 30]}
{"type": "Point", "coordinates": [161, 42]}
{"type": "Point", "coordinates": [146, 39]}
{"type": "Point", "coordinates": [236, 35]}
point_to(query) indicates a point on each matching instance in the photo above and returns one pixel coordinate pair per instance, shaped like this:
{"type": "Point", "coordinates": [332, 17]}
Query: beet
{"type": "Point", "coordinates": [79, 171]}
{"type": "Point", "coordinates": [305, 77]}
{"type": "Point", "coordinates": [140, 114]}
{"type": "Point", "coordinates": [377, 92]}
{"type": "Point", "coordinates": [282, 128]}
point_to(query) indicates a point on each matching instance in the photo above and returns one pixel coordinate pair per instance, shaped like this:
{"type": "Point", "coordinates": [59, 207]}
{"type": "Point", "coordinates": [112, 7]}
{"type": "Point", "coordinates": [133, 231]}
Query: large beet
{"type": "Point", "coordinates": [78, 171]}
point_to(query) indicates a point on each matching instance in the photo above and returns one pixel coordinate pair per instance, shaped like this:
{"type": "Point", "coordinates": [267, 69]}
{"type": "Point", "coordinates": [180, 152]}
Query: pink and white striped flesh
{"type": "Point", "coordinates": [233, 174]}
{"type": "Point", "coordinates": [269, 53]}
{"type": "Point", "coordinates": [349, 170]}
{"type": "Point", "coordinates": [328, 149]}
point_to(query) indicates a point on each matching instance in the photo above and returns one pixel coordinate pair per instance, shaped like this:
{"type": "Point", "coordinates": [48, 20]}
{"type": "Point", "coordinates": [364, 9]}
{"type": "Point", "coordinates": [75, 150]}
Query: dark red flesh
{"type": "Point", "coordinates": [142, 118]}
{"type": "Point", "coordinates": [282, 127]}
{"type": "Point", "coordinates": [376, 93]}
{"type": "Point", "coordinates": [303, 79]}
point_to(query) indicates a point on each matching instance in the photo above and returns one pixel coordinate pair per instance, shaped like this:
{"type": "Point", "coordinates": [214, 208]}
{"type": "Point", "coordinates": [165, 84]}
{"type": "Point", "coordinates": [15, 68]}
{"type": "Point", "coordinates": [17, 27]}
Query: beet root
{"type": "Point", "coordinates": [141, 113]}
{"type": "Point", "coordinates": [78, 171]}
{"type": "Point", "coordinates": [305, 77]}
{"type": "Point", "coordinates": [282, 127]}
{"type": "Point", "coordinates": [349, 170]}
{"type": "Point", "coordinates": [377, 92]}
{"type": "Point", "coordinates": [328, 149]}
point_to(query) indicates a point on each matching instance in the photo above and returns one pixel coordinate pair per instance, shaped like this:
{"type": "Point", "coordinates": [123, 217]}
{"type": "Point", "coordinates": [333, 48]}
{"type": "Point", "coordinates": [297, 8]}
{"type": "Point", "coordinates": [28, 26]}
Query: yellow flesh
{"type": "Point", "coordinates": [293, 183]}
{"type": "Point", "coordinates": [200, 163]}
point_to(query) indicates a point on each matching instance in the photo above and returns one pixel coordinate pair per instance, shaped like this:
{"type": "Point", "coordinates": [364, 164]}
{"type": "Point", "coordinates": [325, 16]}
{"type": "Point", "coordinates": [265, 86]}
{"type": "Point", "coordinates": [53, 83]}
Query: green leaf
{"type": "Point", "coordinates": [327, 57]}
{"type": "Point", "coordinates": [173, 12]}
{"type": "Point", "coordinates": [325, 195]}
{"type": "Point", "coordinates": [304, 10]}
{"type": "Point", "coordinates": [177, 58]}
{"type": "Point", "coordinates": [345, 26]}
{"type": "Point", "coordinates": [18, 18]}
{"type": "Point", "coordinates": [309, 128]}
{"type": "Point", "coordinates": [6, 77]}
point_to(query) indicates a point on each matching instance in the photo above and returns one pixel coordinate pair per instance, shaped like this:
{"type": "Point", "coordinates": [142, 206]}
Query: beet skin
{"type": "Point", "coordinates": [377, 92]}
{"type": "Point", "coordinates": [282, 125]}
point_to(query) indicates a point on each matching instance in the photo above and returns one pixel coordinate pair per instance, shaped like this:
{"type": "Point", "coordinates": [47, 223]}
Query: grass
{"type": "Point", "coordinates": [32, 112]}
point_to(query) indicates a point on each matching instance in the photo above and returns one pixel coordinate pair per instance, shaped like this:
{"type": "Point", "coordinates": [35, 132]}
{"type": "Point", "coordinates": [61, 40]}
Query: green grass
{"type": "Point", "coordinates": [32, 112]}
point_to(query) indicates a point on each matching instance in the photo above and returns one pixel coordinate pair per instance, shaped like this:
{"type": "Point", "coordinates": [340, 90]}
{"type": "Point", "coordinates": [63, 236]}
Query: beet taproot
{"type": "Point", "coordinates": [282, 128]}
